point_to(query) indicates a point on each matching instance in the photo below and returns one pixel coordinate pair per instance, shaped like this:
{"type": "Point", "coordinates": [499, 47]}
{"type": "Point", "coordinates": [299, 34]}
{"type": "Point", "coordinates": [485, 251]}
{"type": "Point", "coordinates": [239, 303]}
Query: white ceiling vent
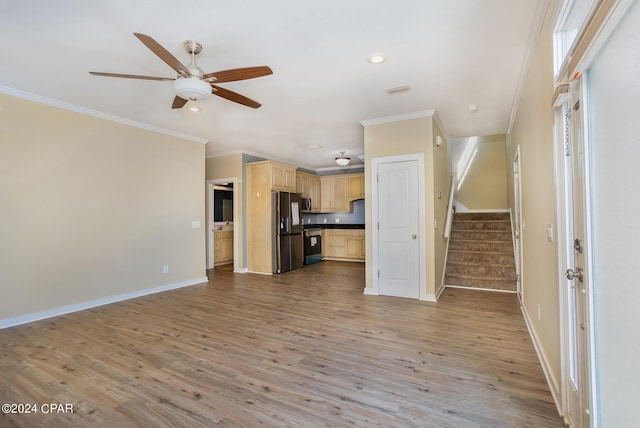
{"type": "Point", "coordinates": [397, 89]}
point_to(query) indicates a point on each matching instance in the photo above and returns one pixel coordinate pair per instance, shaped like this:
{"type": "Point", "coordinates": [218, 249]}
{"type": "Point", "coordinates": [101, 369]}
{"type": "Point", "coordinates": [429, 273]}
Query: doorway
{"type": "Point", "coordinates": [223, 220]}
{"type": "Point", "coordinates": [398, 214]}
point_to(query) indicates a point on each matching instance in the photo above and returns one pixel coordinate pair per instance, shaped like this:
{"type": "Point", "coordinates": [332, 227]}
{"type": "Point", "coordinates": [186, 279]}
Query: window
{"type": "Point", "coordinates": [573, 17]}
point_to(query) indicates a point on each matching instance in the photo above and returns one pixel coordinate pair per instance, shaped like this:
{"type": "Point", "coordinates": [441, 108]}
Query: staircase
{"type": "Point", "coordinates": [481, 252]}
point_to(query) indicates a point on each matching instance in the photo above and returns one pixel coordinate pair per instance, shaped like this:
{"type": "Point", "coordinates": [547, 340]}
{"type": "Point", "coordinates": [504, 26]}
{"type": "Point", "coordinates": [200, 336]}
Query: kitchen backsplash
{"type": "Point", "coordinates": [355, 217]}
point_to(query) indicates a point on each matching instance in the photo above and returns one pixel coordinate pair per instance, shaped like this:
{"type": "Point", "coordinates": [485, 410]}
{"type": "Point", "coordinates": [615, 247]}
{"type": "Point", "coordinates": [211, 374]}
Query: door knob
{"type": "Point", "coordinates": [413, 236]}
{"type": "Point", "coordinates": [571, 274]}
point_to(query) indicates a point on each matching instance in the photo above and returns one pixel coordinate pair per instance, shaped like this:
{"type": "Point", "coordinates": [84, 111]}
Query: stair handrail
{"type": "Point", "coordinates": [450, 208]}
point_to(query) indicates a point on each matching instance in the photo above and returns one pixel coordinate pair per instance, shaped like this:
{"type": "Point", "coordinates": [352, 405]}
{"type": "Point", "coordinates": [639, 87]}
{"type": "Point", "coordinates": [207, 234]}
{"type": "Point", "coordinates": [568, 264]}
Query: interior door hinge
{"type": "Point", "coordinates": [378, 178]}
{"type": "Point", "coordinates": [378, 274]}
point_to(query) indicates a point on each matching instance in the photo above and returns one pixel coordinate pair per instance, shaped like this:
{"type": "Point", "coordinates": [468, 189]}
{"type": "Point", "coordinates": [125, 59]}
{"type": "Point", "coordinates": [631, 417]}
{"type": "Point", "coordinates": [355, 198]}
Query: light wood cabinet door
{"type": "Point", "coordinates": [222, 246]}
{"type": "Point", "coordinates": [341, 194]}
{"type": "Point", "coordinates": [303, 182]}
{"type": "Point", "coordinates": [356, 187]}
{"type": "Point", "coordinates": [327, 203]}
{"type": "Point", "coordinates": [353, 247]}
{"type": "Point", "coordinates": [314, 193]}
{"type": "Point", "coordinates": [334, 194]}
{"type": "Point", "coordinates": [290, 179]}
{"type": "Point", "coordinates": [283, 177]}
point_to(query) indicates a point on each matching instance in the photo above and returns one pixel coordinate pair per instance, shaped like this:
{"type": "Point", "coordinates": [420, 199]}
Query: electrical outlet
{"type": "Point", "coordinates": [324, 220]}
{"type": "Point", "coordinates": [337, 220]}
{"type": "Point", "coordinates": [550, 232]}
{"type": "Point", "coordinates": [165, 269]}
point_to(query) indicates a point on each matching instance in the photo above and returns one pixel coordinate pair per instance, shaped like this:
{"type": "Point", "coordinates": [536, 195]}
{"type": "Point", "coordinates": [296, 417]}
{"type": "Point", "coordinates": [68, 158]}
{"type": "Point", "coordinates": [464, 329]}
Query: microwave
{"type": "Point", "coordinates": [306, 204]}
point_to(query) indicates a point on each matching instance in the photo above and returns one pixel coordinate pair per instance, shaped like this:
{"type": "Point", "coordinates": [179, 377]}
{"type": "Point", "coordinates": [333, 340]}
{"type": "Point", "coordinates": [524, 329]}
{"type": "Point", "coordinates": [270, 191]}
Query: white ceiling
{"type": "Point", "coordinates": [452, 53]}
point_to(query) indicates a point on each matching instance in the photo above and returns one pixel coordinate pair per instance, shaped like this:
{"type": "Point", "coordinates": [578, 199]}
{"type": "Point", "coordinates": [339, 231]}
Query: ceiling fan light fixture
{"type": "Point", "coordinates": [377, 58]}
{"type": "Point", "coordinates": [342, 160]}
{"type": "Point", "coordinates": [192, 88]}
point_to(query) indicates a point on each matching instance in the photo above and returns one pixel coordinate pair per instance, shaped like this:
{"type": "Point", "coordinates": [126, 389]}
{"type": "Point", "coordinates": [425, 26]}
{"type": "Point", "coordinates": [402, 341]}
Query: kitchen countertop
{"type": "Point", "coordinates": [333, 226]}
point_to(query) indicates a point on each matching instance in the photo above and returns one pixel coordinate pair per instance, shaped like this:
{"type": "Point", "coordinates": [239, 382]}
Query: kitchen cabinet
{"type": "Point", "coordinates": [343, 244]}
{"type": "Point", "coordinates": [222, 246]}
{"type": "Point", "coordinates": [283, 177]}
{"type": "Point", "coordinates": [303, 181]}
{"type": "Point", "coordinates": [277, 176]}
{"type": "Point", "coordinates": [334, 194]}
{"type": "Point", "coordinates": [356, 187]}
{"type": "Point", "coordinates": [308, 185]}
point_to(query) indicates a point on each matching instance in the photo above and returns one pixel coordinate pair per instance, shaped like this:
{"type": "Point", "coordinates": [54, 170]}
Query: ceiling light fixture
{"type": "Point", "coordinates": [194, 108]}
{"type": "Point", "coordinates": [192, 88]}
{"type": "Point", "coordinates": [473, 108]}
{"type": "Point", "coordinates": [342, 160]}
{"type": "Point", "coordinates": [376, 58]}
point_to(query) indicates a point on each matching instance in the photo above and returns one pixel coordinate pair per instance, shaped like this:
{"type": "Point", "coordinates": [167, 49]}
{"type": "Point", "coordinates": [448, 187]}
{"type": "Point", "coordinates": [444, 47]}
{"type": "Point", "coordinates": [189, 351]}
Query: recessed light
{"type": "Point", "coordinates": [194, 108]}
{"type": "Point", "coordinates": [376, 58]}
{"type": "Point", "coordinates": [314, 146]}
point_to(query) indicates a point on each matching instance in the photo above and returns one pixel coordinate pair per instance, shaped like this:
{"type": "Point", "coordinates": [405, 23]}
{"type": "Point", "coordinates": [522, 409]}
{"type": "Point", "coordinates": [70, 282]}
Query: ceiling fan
{"type": "Point", "coordinates": [191, 83]}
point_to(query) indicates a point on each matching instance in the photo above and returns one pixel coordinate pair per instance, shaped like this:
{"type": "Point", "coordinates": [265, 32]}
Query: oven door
{"type": "Point", "coordinates": [312, 249]}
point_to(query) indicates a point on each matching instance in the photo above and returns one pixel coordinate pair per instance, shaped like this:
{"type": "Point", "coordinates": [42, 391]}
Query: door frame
{"type": "Point", "coordinates": [375, 234]}
{"type": "Point", "coordinates": [517, 226]}
{"type": "Point", "coordinates": [210, 222]}
{"type": "Point", "coordinates": [564, 220]}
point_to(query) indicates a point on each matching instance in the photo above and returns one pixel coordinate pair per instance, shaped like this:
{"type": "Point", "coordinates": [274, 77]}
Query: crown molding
{"type": "Point", "coordinates": [100, 115]}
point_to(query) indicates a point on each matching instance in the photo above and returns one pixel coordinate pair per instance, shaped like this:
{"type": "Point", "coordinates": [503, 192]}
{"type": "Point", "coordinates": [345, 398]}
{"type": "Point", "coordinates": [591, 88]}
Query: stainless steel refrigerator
{"type": "Point", "coordinates": [287, 242]}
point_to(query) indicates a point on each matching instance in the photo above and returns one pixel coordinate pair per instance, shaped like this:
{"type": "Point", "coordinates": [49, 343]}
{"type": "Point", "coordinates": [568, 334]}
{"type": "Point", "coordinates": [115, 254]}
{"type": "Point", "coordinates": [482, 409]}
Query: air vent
{"type": "Point", "coordinates": [396, 89]}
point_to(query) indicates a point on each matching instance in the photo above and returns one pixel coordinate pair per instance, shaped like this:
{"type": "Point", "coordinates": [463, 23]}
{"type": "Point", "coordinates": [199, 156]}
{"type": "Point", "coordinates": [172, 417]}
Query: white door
{"type": "Point", "coordinates": [398, 229]}
{"type": "Point", "coordinates": [517, 219]}
{"type": "Point", "coordinates": [576, 291]}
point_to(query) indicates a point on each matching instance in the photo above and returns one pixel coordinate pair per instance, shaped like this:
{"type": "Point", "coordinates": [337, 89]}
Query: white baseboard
{"type": "Point", "coordinates": [544, 362]}
{"type": "Point", "coordinates": [369, 291]}
{"type": "Point", "coordinates": [429, 298]}
{"type": "Point", "coordinates": [50, 313]}
{"type": "Point", "coordinates": [241, 270]}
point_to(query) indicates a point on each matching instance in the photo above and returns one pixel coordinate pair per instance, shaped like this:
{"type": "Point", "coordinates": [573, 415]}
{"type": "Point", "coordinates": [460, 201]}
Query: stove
{"type": "Point", "coordinates": [312, 246]}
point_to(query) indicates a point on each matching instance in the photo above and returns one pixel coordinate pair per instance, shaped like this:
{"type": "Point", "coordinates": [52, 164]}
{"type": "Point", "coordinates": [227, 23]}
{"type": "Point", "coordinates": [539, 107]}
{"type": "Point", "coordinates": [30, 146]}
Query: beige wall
{"type": "Point", "coordinates": [533, 132]}
{"type": "Point", "coordinates": [93, 209]}
{"type": "Point", "coordinates": [229, 167]}
{"type": "Point", "coordinates": [225, 167]}
{"type": "Point", "coordinates": [411, 136]}
{"type": "Point", "coordinates": [441, 187]}
{"type": "Point", "coordinates": [485, 185]}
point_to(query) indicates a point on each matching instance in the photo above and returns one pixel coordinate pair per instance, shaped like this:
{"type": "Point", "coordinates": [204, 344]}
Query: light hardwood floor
{"type": "Point", "coordinates": [301, 349]}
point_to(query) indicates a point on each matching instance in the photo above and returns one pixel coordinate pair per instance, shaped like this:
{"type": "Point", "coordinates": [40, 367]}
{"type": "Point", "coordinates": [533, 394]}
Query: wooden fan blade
{"type": "Point", "coordinates": [238, 74]}
{"type": "Point", "coordinates": [178, 102]}
{"type": "Point", "coordinates": [129, 76]}
{"type": "Point", "coordinates": [163, 54]}
{"type": "Point", "coordinates": [234, 96]}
